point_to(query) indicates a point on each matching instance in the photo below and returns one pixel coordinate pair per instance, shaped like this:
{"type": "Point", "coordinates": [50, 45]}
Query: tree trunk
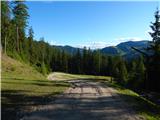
{"type": "Point", "coordinates": [5, 44]}
{"type": "Point", "coordinates": [17, 39]}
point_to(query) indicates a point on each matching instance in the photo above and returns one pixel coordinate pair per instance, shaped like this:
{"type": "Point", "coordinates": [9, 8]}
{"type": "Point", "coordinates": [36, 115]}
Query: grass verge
{"type": "Point", "coordinates": [22, 86]}
{"type": "Point", "coordinates": [65, 76]}
{"type": "Point", "coordinates": [142, 106]}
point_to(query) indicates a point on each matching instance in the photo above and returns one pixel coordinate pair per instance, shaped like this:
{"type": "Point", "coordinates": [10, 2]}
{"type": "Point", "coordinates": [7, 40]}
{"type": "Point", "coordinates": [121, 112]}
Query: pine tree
{"type": "Point", "coordinates": [20, 16]}
{"type": "Point", "coordinates": [85, 60]}
{"type": "Point", "coordinates": [103, 64]}
{"type": "Point", "coordinates": [137, 74]}
{"type": "Point", "coordinates": [64, 61]}
{"type": "Point", "coordinates": [110, 67]}
{"type": "Point", "coordinates": [153, 62]}
{"type": "Point", "coordinates": [5, 24]}
{"type": "Point", "coordinates": [78, 61]}
{"type": "Point", "coordinates": [42, 49]}
{"type": "Point", "coordinates": [90, 62]}
{"type": "Point", "coordinates": [30, 43]}
{"type": "Point", "coordinates": [123, 74]}
{"type": "Point", "coordinates": [132, 74]}
{"type": "Point", "coordinates": [97, 62]}
{"type": "Point", "coordinates": [140, 78]}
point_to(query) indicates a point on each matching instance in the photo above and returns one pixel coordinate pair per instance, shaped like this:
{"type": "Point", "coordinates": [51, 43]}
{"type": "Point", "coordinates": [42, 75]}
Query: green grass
{"type": "Point", "coordinates": [22, 86]}
{"type": "Point", "coordinates": [22, 77]}
{"type": "Point", "coordinates": [66, 76]}
{"type": "Point", "coordinates": [142, 106]}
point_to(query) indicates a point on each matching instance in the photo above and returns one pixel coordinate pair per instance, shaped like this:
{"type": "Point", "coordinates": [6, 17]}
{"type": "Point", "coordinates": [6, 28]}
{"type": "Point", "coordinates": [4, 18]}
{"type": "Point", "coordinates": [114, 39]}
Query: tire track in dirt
{"type": "Point", "coordinates": [85, 100]}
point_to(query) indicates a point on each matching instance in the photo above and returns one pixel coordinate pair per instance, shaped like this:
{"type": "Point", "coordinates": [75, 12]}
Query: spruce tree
{"type": "Point", "coordinates": [97, 62]}
{"type": "Point", "coordinates": [153, 62]}
{"type": "Point", "coordinates": [85, 62]}
{"type": "Point", "coordinates": [140, 78]}
{"type": "Point", "coordinates": [123, 74]}
{"type": "Point", "coordinates": [20, 16]}
{"type": "Point", "coordinates": [30, 43]}
{"type": "Point", "coordinates": [64, 62]}
{"type": "Point", "coordinates": [132, 75]}
{"type": "Point", "coordinates": [78, 60]}
{"type": "Point", "coordinates": [5, 24]}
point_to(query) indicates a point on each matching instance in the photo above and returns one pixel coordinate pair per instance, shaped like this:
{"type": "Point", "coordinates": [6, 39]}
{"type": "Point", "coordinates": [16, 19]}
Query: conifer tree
{"type": "Point", "coordinates": [78, 60]}
{"type": "Point", "coordinates": [30, 43]}
{"type": "Point", "coordinates": [140, 78]}
{"type": "Point", "coordinates": [5, 24]}
{"type": "Point", "coordinates": [153, 62]}
{"type": "Point", "coordinates": [20, 16]}
{"type": "Point", "coordinates": [64, 62]}
{"type": "Point", "coordinates": [85, 63]}
{"type": "Point", "coordinates": [123, 74]}
{"type": "Point", "coordinates": [97, 62]}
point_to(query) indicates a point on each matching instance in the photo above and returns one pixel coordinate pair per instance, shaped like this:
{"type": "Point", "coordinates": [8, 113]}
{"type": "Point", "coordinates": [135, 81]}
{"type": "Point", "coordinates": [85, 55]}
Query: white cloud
{"type": "Point", "coordinates": [124, 39]}
{"type": "Point", "coordinates": [98, 44]}
{"type": "Point", "coordinates": [53, 42]}
{"type": "Point", "coordinates": [95, 45]}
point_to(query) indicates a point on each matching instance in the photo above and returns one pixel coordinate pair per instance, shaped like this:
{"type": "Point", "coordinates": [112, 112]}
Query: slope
{"type": "Point", "coordinates": [22, 86]}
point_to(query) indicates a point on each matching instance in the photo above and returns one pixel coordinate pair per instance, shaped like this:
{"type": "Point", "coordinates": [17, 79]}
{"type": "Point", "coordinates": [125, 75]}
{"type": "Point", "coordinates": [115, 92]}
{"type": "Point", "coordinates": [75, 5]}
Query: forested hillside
{"type": "Point", "coordinates": [123, 49]}
{"type": "Point", "coordinates": [138, 73]}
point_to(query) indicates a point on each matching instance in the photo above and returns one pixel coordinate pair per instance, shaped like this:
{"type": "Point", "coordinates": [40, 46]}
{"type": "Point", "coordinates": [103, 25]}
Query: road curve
{"type": "Point", "coordinates": [85, 100]}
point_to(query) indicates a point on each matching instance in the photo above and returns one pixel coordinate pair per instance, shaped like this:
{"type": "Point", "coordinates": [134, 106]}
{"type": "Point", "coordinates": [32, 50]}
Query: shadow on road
{"type": "Point", "coordinates": [70, 106]}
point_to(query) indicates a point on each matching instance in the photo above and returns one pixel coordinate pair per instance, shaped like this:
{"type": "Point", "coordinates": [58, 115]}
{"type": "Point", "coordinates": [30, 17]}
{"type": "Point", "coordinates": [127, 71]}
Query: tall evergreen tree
{"type": "Point", "coordinates": [140, 78]}
{"type": "Point", "coordinates": [103, 64]}
{"type": "Point", "coordinates": [20, 16]}
{"type": "Point", "coordinates": [85, 62]}
{"type": "Point", "coordinates": [30, 43]}
{"type": "Point", "coordinates": [123, 74]}
{"type": "Point", "coordinates": [153, 62]}
{"type": "Point", "coordinates": [137, 74]}
{"type": "Point", "coordinates": [5, 24]}
{"type": "Point", "coordinates": [110, 67]}
{"type": "Point", "coordinates": [97, 62]}
{"type": "Point", "coordinates": [78, 60]}
{"type": "Point", "coordinates": [42, 49]}
{"type": "Point", "coordinates": [64, 62]}
{"type": "Point", "coordinates": [132, 74]}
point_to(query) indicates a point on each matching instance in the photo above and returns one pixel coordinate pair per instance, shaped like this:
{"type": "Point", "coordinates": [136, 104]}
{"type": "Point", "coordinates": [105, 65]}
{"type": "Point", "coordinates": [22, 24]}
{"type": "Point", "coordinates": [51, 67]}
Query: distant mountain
{"type": "Point", "coordinates": [69, 49]}
{"type": "Point", "coordinates": [124, 49]}
{"type": "Point", "coordinates": [129, 53]}
{"type": "Point", "coordinates": [126, 46]}
{"type": "Point", "coordinates": [111, 50]}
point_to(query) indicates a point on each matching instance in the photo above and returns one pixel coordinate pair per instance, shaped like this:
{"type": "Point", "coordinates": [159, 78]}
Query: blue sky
{"type": "Point", "coordinates": [92, 24]}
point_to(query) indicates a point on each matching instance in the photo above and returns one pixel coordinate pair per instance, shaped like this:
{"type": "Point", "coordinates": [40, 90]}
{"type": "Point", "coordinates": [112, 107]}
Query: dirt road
{"type": "Point", "coordinates": [86, 100]}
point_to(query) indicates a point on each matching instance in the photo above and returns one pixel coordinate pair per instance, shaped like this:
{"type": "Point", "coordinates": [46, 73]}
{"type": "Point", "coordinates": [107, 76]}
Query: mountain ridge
{"type": "Point", "coordinates": [122, 49]}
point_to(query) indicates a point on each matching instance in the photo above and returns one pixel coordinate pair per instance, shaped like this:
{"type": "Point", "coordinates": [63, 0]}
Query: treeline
{"type": "Point", "coordinates": [140, 73]}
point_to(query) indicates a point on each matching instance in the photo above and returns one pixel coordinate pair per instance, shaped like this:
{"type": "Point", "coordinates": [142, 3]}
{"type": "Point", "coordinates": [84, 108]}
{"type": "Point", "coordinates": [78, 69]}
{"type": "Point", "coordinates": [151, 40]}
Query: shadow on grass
{"type": "Point", "coordinates": [35, 82]}
{"type": "Point", "coordinates": [138, 103]}
{"type": "Point", "coordinates": [72, 107]}
{"type": "Point", "coordinates": [60, 84]}
{"type": "Point", "coordinates": [142, 105]}
{"type": "Point", "coordinates": [16, 100]}
{"type": "Point", "coordinates": [47, 82]}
